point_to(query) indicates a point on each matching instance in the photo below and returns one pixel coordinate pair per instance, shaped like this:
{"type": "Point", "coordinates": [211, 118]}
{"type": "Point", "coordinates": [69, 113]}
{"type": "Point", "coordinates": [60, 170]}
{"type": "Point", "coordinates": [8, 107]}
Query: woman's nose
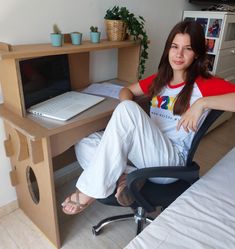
{"type": "Point", "coordinates": [179, 52]}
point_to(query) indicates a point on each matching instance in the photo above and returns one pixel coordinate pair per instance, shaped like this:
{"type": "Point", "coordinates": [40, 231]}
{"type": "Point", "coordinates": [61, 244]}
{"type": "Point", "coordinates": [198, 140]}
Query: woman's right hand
{"type": "Point", "coordinates": [189, 120]}
{"type": "Point", "coordinates": [128, 93]}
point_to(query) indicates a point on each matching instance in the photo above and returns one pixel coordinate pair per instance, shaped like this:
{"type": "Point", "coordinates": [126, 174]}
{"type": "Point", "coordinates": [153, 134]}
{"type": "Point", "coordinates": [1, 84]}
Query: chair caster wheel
{"type": "Point", "coordinates": [94, 232]}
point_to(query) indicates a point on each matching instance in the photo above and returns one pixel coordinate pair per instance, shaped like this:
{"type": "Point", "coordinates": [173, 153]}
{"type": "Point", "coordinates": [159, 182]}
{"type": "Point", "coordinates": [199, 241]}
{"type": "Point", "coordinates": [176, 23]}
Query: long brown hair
{"type": "Point", "coordinates": [199, 67]}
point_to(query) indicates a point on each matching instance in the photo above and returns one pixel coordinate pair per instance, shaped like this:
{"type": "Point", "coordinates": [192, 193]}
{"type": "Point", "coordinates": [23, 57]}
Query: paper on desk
{"type": "Point", "coordinates": [104, 89]}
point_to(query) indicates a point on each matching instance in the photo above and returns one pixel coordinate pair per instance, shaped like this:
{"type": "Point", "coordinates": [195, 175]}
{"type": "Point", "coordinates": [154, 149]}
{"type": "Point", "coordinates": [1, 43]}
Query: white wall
{"type": "Point", "coordinates": [31, 21]}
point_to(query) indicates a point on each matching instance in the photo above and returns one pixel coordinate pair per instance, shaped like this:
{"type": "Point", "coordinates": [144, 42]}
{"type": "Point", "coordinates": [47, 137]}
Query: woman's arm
{"type": "Point", "coordinates": [190, 118]}
{"type": "Point", "coordinates": [224, 102]}
{"type": "Point", "coordinates": [130, 92]}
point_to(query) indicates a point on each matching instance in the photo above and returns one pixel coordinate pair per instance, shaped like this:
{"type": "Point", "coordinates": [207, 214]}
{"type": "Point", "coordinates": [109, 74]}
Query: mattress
{"type": "Point", "coordinates": [202, 217]}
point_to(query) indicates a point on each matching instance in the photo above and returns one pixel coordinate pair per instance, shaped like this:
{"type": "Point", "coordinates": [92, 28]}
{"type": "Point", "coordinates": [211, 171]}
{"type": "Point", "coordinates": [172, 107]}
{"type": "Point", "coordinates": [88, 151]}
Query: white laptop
{"type": "Point", "coordinates": [47, 90]}
{"type": "Point", "coordinates": [66, 105]}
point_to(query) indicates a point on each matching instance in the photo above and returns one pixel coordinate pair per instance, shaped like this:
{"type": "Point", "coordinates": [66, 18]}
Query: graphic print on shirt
{"type": "Point", "coordinates": [162, 106]}
{"type": "Point", "coordinates": [163, 102]}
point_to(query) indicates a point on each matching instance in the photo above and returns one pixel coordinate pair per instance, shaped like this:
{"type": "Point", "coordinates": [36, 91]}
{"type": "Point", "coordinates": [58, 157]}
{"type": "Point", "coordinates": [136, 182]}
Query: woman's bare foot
{"type": "Point", "coordinates": [76, 203]}
{"type": "Point", "coordinates": [123, 195]}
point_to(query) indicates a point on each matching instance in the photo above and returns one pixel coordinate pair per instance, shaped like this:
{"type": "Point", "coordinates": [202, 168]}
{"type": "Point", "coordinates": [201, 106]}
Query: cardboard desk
{"type": "Point", "coordinates": [34, 143]}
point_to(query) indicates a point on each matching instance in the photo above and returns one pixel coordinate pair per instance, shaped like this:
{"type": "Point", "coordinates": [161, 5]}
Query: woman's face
{"type": "Point", "coordinates": [181, 54]}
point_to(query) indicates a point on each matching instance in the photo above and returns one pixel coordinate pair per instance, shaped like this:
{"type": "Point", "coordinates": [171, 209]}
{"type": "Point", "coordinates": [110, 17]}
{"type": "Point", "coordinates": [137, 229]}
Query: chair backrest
{"type": "Point", "coordinates": [209, 120]}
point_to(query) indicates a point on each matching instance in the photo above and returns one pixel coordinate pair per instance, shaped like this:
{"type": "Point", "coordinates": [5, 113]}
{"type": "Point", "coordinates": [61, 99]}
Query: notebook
{"type": "Point", "coordinates": [66, 105]}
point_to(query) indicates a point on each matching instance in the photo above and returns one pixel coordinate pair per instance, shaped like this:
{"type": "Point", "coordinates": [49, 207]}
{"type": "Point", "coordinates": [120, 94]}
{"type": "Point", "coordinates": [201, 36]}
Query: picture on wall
{"type": "Point", "coordinates": [214, 27]}
{"type": "Point", "coordinates": [210, 43]}
{"type": "Point", "coordinates": [203, 22]}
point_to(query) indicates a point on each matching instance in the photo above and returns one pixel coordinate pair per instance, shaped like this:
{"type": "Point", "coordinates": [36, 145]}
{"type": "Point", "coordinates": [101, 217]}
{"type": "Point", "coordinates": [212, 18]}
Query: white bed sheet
{"type": "Point", "coordinates": [202, 217]}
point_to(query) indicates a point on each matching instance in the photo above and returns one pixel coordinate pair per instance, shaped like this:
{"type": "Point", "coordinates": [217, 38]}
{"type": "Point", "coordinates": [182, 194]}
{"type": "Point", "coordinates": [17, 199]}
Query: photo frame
{"type": "Point", "coordinates": [214, 27]}
{"type": "Point", "coordinates": [211, 59]}
{"type": "Point", "coordinates": [210, 43]}
{"type": "Point", "coordinates": [203, 22]}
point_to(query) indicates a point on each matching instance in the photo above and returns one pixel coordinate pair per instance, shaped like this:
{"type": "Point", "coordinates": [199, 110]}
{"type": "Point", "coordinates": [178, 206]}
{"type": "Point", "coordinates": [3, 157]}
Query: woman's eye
{"type": "Point", "coordinates": [173, 46]}
{"type": "Point", "coordinates": [189, 48]}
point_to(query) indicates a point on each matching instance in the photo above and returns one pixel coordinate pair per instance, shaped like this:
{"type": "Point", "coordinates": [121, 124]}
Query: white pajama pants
{"type": "Point", "coordinates": [130, 134]}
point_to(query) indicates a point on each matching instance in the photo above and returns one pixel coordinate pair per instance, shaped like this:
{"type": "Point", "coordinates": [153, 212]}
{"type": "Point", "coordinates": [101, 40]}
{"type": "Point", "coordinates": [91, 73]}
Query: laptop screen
{"type": "Point", "coordinates": [44, 78]}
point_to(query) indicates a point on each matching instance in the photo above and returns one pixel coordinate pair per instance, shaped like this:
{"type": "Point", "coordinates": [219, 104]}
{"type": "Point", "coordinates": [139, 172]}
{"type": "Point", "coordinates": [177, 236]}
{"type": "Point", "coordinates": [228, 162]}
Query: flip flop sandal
{"type": "Point", "coordinates": [78, 206]}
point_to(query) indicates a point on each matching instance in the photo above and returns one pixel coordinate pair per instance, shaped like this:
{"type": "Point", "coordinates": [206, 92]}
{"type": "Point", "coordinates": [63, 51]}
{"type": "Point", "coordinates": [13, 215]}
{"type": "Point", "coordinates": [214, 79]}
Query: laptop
{"type": "Point", "coordinates": [66, 105]}
{"type": "Point", "coordinates": [47, 89]}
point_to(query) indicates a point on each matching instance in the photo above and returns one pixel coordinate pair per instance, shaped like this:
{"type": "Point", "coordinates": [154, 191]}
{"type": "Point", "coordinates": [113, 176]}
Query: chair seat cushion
{"type": "Point", "coordinates": [163, 194]}
{"type": "Point", "coordinates": [156, 194]}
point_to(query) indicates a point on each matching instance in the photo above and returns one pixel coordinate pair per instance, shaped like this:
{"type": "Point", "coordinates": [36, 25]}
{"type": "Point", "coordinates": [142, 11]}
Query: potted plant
{"type": "Point", "coordinates": [94, 34]}
{"type": "Point", "coordinates": [76, 38]}
{"type": "Point", "coordinates": [134, 28]}
{"type": "Point", "coordinates": [115, 25]}
{"type": "Point", "coordinates": [56, 36]}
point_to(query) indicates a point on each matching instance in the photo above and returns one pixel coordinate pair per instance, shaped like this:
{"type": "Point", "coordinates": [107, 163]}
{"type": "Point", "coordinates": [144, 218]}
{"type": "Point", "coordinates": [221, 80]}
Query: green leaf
{"type": "Point", "coordinates": [135, 27]}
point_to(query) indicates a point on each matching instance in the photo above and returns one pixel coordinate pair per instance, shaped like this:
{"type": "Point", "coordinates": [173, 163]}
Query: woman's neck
{"type": "Point", "coordinates": [177, 78]}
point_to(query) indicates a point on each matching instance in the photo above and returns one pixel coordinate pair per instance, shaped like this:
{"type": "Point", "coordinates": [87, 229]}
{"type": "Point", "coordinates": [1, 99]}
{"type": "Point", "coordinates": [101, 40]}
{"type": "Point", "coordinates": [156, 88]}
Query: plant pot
{"type": "Point", "coordinates": [56, 40]}
{"type": "Point", "coordinates": [95, 37]}
{"type": "Point", "coordinates": [130, 37]}
{"type": "Point", "coordinates": [76, 38]}
{"type": "Point", "coordinates": [116, 30]}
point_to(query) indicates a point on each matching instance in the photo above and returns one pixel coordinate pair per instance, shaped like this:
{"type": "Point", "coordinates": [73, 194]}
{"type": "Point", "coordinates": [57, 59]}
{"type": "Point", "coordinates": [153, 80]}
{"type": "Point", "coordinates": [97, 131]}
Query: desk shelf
{"type": "Point", "coordinates": [33, 143]}
{"type": "Point", "coordinates": [38, 50]}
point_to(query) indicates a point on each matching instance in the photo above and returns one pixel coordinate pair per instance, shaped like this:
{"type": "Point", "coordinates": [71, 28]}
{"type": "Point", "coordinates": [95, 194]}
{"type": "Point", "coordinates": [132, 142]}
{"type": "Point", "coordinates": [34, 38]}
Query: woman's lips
{"type": "Point", "coordinates": [178, 62]}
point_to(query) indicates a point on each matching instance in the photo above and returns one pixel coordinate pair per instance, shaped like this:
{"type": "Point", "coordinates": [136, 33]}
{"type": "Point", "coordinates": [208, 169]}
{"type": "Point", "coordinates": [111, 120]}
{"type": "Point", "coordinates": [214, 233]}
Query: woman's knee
{"type": "Point", "coordinates": [128, 106]}
{"type": "Point", "coordinates": [130, 109]}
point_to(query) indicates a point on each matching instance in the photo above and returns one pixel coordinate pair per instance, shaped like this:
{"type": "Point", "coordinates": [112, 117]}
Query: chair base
{"type": "Point", "coordinates": [139, 218]}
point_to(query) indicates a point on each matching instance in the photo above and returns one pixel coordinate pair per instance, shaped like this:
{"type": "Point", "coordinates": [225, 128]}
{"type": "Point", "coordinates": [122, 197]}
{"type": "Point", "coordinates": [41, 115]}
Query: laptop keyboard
{"type": "Point", "coordinates": [66, 105]}
{"type": "Point", "coordinates": [57, 104]}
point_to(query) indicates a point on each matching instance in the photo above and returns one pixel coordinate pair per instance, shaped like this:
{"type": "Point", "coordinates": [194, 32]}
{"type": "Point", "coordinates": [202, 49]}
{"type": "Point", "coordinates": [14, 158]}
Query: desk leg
{"type": "Point", "coordinates": [34, 181]}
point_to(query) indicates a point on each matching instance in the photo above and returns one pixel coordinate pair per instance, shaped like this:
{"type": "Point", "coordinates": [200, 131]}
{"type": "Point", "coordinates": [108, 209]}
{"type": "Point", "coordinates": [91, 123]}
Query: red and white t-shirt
{"type": "Point", "coordinates": [161, 110]}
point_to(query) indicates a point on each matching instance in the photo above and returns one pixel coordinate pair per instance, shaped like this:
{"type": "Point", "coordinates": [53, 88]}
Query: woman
{"type": "Point", "coordinates": [182, 91]}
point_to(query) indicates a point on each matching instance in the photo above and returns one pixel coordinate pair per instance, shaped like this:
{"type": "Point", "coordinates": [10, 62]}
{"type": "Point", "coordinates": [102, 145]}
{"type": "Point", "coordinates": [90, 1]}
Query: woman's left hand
{"type": "Point", "coordinates": [190, 118]}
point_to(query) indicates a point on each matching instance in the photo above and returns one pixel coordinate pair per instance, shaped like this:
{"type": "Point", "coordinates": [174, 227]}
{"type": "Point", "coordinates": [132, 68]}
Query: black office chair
{"type": "Point", "coordinates": [154, 195]}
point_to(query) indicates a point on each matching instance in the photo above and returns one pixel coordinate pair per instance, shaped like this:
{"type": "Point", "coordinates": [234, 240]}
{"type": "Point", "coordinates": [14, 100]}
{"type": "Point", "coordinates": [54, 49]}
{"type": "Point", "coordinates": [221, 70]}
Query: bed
{"type": "Point", "coordinates": [202, 217]}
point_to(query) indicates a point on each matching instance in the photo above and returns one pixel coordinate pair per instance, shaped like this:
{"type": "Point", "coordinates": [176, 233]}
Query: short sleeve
{"type": "Point", "coordinates": [145, 83]}
{"type": "Point", "coordinates": [215, 86]}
